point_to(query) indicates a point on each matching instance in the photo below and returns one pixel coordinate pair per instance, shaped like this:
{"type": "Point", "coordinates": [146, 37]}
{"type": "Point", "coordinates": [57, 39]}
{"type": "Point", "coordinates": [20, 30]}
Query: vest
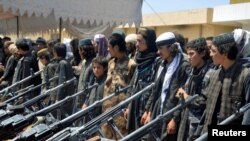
{"type": "Point", "coordinates": [230, 85]}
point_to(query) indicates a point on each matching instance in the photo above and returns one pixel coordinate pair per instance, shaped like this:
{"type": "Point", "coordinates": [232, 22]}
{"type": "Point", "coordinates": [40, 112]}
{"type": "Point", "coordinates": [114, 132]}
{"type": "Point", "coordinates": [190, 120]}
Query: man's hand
{"type": "Point", "coordinates": [144, 117]}
{"type": "Point", "coordinates": [148, 119]}
{"type": "Point", "coordinates": [84, 106]}
{"type": "Point", "coordinates": [126, 113]}
{"type": "Point", "coordinates": [181, 90]}
{"type": "Point", "coordinates": [171, 127]}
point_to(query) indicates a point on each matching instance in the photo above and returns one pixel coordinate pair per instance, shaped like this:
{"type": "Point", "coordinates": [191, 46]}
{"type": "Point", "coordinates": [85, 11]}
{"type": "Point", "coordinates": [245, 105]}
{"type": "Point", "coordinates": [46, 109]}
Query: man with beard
{"type": "Point", "coordinates": [25, 64]}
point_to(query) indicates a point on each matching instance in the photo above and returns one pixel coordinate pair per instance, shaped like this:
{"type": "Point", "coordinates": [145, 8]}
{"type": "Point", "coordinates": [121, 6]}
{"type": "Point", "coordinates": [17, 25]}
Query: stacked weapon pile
{"type": "Point", "coordinates": [23, 117]}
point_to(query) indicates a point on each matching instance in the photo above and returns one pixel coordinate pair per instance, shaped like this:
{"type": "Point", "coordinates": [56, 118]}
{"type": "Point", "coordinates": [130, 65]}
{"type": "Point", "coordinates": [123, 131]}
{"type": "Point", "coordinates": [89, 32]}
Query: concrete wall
{"type": "Point", "coordinates": [194, 16]}
{"type": "Point", "coordinates": [218, 29]}
{"type": "Point", "coordinates": [129, 30]}
{"type": "Point", "coordinates": [246, 27]}
{"type": "Point", "coordinates": [191, 23]}
{"type": "Point", "coordinates": [190, 31]}
{"type": "Point", "coordinates": [194, 31]}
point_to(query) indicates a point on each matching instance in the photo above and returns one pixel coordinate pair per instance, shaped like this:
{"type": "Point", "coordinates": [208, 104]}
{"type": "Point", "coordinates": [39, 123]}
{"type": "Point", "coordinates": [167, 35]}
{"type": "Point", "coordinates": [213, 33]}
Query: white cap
{"type": "Point", "coordinates": [98, 36]}
{"type": "Point", "coordinates": [238, 35]}
{"type": "Point", "coordinates": [165, 39]}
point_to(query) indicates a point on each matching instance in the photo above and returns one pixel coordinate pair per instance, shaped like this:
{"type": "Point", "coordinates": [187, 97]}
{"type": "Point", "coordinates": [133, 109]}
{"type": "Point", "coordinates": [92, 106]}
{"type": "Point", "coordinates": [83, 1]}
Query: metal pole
{"type": "Point", "coordinates": [17, 26]}
{"type": "Point", "coordinates": [60, 29]}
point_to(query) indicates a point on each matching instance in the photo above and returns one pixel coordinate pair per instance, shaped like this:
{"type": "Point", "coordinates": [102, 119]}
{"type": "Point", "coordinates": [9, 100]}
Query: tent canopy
{"type": "Point", "coordinates": [42, 15]}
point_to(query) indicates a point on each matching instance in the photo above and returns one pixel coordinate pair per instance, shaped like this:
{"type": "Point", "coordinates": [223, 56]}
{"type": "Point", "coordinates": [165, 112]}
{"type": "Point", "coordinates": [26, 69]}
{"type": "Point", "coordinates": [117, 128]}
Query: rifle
{"type": "Point", "coordinates": [21, 107]}
{"type": "Point", "coordinates": [4, 113]}
{"type": "Point", "coordinates": [11, 94]}
{"type": "Point", "coordinates": [4, 104]}
{"type": "Point", "coordinates": [154, 124]}
{"type": "Point", "coordinates": [6, 90]}
{"type": "Point", "coordinates": [42, 131]}
{"type": "Point", "coordinates": [93, 126]}
{"type": "Point", "coordinates": [18, 122]}
{"type": "Point", "coordinates": [229, 119]}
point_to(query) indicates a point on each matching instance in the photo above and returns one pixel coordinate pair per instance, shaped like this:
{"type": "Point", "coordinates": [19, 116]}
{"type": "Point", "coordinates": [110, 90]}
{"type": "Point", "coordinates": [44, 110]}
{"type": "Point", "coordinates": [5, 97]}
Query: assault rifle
{"type": "Point", "coordinates": [3, 113]}
{"type": "Point", "coordinates": [6, 90]}
{"type": "Point", "coordinates": [228, 120]}
{"type": "Point", "coordinates": [20, 108]}
{"type": "Point", "coordinates": [157, 122]}
{"type": "Point", "coordinates": [16, 123]}
{"type": "Point", "coordinates": [82, 133]}
{"type": "Point", "coordinates": [30, 89]}
{"type": "Point", "coordinates": [42, 131]}
{"type": "Point", "coordinates": [42, 96]}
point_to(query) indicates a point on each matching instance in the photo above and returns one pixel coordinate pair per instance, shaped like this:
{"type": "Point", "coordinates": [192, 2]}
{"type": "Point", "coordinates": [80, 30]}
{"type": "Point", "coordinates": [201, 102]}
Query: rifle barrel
{"type": "Point", "coordinates": [42, 96]}
{"type": "Point", "coordinates": [21, 81]}
{"type": "Point", "coordinates": [30, 88]}
{"type": "Point", "coordinates": [229, 119]}
{"type": "Point", "coordinates": [203, 137]}
{"type": "Point", "coordinates": [59, 103]}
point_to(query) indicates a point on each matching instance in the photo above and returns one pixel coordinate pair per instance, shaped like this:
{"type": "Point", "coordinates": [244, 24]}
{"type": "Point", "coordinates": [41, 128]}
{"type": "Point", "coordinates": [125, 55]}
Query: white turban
{"type": "Point", "coordinates": [131, 38]}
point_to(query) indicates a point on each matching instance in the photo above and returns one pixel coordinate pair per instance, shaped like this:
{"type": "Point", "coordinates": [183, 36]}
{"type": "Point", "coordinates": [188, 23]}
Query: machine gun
{"type": "Point", "coordinates": [29, 89]}
{"type": "Point", "coordinates": [82, 133]}
{"type": "Point", "coordinates": [20, 108]}
{"type": "Point", "coordinates": [42, 131]}
{"type": "Point", "coordinates": [16, 123]}
{"type": "Point", "coordinates": [229, 119]}
{"type": "Point", "coordinates": [154, 124]}
{"type": "Point", "coordinates": [7, 89]}
{"type": "Point", "coordinates": [3, 113]}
